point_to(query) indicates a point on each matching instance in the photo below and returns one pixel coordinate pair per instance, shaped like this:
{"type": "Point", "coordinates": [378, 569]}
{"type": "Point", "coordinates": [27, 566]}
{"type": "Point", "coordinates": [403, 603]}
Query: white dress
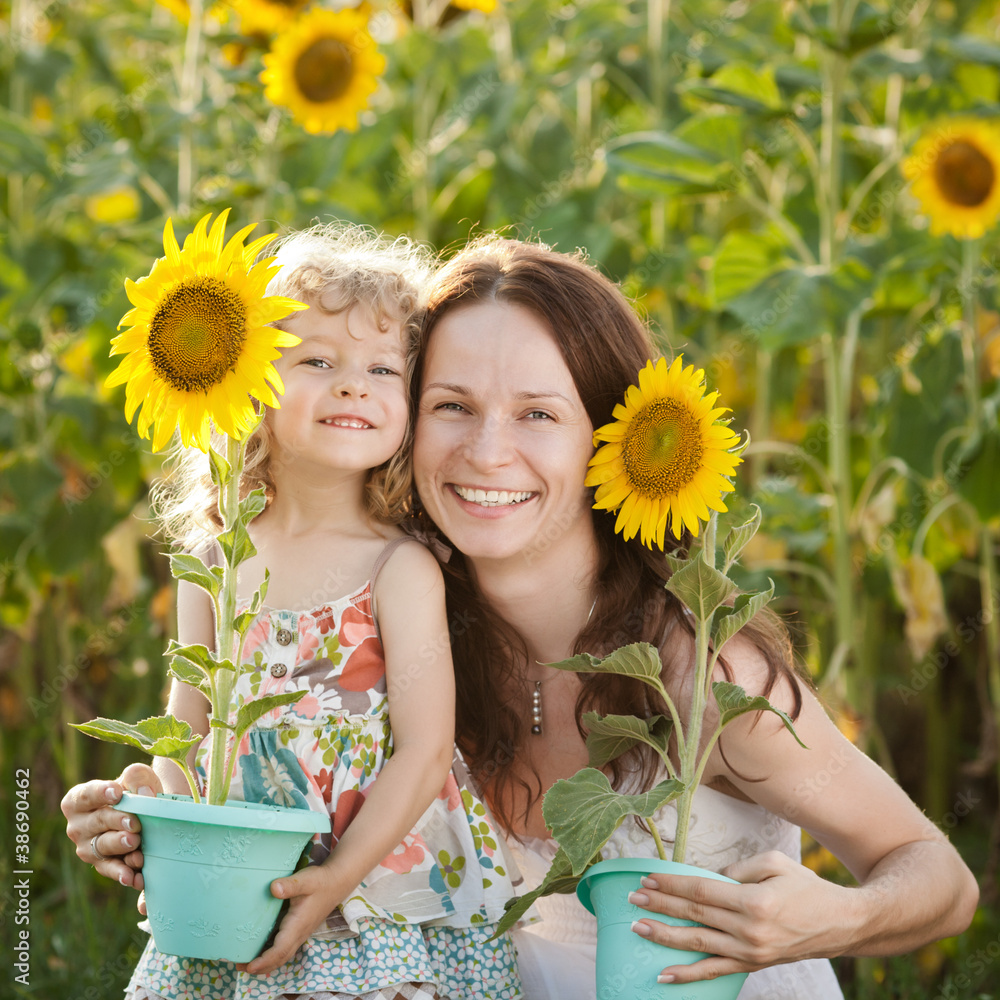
{"type": "Point", "coordinates": [557, 955]}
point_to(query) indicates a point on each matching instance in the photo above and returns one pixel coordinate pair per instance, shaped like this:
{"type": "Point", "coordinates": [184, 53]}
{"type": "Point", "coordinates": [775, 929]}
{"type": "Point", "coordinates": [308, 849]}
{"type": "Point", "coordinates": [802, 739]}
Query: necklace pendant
{"type": "Point", "coordinates": [536, 710]}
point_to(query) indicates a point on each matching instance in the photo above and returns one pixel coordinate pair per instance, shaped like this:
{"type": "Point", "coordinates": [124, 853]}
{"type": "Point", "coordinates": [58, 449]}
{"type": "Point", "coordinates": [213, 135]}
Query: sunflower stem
{"type": "Point", "coordinates": [225, 630]}
{"type": "Point", "coordinates": [189, 96]}
{"type": "Point", "coordinates": [420, 158]}
{"type": "Point", "coordinates": [970, 342]}
{"type": "Point", "coordinates": [688, 753]}
{"type": "Point", "coordinates": [988, 599]}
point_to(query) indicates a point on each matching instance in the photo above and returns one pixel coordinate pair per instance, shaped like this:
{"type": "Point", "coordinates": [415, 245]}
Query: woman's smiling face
{"type": "Point", "coordinates": [502, 436]}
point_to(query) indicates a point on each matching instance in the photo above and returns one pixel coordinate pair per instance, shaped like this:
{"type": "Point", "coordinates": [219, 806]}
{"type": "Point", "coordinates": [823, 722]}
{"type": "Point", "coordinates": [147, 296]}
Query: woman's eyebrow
{"type": "Point", "coordinates": [544, 394]}
{"type": "Point", "coordinates": [458, 390]}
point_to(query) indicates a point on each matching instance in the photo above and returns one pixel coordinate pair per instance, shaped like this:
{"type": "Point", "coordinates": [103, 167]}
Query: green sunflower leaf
{"type": "Point", "coordinates": [252, 711]}
{"type": "Point", "coordinates": [639, 660]}
{"type": "Point", "coordinates": [609, 736]}
{"type": "Point", "coordinates": [187, 673]}
{"type": "Point", "coordinates": [739, 537]}
{"type": "Point", "coordinates": [558, 879]}
{"type": "Point", "coordinates": [729, 621]}
{"type": "Point", "coordinates": [702, 588]}
{"type": "Point", "coordinates": [220, 468]}
{"type": "Point", "coordinates": [584, 811]}
{"type": "Point", "coordinates": [199, 656]}
{"type": "Point", "coordinates": [733, 701]}
{"type": "Point", "coordinates": [184, 566]}
{"type": "Point", "coordinates": [159, 736]}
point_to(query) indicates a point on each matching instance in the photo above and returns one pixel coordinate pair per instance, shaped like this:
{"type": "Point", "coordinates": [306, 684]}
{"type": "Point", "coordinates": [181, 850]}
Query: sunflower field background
{"type": "Point", "coordinates": [800, 196]}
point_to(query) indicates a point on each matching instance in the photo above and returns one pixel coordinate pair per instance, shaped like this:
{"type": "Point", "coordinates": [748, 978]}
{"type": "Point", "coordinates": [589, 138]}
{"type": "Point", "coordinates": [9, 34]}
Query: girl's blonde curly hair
{"type": "Point", "coordinates": [333, 267]}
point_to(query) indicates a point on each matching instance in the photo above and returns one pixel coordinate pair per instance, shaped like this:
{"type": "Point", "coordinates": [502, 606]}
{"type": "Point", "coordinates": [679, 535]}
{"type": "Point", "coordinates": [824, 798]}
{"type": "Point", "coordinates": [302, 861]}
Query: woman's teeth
{"type": "Point", "coordinates": [492, 498]}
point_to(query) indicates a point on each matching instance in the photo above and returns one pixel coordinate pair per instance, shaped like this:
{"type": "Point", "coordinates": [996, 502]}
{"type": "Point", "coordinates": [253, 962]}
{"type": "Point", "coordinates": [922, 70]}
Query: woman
{"type": "Point", "coordinates": [525, 352]}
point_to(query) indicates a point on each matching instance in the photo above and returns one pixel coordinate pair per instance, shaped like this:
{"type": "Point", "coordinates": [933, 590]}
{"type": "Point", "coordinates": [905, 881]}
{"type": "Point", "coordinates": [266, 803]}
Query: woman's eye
{"type": "Point", "coordinates": [453, 407]}
{"type": "Point", "coordinates": [540, 415]}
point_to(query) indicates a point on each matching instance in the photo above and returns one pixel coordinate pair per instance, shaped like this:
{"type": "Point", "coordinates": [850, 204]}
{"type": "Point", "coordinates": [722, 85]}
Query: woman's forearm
{"type": "Point", "coordinates": [920, 892]}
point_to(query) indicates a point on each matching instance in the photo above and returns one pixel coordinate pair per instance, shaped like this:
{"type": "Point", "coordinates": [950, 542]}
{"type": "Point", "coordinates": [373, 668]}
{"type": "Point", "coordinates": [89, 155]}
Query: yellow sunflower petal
{"type": "Point", "coordinates": [190, 333]}
{"type": "Point", "coordinates": [664, 460]}
{"type": "Point", "coordinates": [955, 173]}
{"type": "Point", "coordinates": [323, 69]}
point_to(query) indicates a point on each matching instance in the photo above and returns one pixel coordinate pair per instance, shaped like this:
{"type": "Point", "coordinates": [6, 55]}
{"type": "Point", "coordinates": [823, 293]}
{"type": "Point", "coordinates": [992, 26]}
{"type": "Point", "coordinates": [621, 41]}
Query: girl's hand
{"type": "Point", "coordinates": [781, 912]}
{"type": "Point", "coordinates": [105, 838]}
{"type": "Point", "coordinates": [313, 895]}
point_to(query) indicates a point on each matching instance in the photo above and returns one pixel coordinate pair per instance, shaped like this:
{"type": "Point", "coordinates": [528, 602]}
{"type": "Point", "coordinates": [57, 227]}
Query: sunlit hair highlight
{"type": "Point", "coordinates": [334, 267]}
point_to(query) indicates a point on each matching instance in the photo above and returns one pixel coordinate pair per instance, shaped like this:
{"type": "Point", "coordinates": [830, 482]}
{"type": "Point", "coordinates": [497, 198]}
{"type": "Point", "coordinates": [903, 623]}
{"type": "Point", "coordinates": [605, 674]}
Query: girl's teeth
{"type": "Point", "coordinates": [492, 498]}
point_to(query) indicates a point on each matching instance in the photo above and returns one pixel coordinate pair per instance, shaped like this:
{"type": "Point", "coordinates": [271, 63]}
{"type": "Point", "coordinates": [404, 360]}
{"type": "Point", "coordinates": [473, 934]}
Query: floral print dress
{"type": "Point", "coordinates": [427, 911]}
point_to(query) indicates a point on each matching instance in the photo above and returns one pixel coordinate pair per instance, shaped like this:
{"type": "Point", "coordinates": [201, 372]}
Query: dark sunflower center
{"type": "Point", "coordinates": [964, 175]}
{"type": "Point", "coordinates": [662, 448]}
{"type": "Point", "coordinates": [323, 71]}
{"type": "Point", "coordinates": [197, 333]}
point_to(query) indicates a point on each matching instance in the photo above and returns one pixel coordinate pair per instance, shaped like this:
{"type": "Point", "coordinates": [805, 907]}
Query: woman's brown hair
{"type": "Point", "coordinates": [604, 345]}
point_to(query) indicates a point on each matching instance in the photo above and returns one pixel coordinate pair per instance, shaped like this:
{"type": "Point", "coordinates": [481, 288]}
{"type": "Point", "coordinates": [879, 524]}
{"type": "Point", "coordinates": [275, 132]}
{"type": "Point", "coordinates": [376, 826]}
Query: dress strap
{"type": "Point", "coordinates": [380, 560]}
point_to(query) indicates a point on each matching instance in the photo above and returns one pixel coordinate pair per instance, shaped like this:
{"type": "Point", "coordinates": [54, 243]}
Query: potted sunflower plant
{"type": "Point", "coordinates": [198, 352]}
{"type": "Point", "coordinates": [667, 459]}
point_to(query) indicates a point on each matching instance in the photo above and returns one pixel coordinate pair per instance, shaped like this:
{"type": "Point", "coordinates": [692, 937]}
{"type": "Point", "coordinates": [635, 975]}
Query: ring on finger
{"type": "Point", "coordinates": [93, 847]}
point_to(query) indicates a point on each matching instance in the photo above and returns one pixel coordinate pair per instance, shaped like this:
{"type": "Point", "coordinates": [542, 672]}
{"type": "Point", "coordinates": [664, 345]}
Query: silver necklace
{"type": "Point", "coordinates": [536, 695]}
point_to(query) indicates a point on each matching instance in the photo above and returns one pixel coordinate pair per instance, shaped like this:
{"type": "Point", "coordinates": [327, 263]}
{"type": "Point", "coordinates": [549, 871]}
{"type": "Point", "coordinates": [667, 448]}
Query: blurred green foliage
{"type": "Point", "coordinates": [695, 165]}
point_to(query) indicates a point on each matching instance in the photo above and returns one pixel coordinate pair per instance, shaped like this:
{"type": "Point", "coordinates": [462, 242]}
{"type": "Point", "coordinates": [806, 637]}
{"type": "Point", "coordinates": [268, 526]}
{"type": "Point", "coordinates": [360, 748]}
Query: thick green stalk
{"type": "Point", "coordinates": [837, 373]}
{"type": "Point", "coordinates": [692, 738]}
{"type": "Point", "coordinates": [420, 156]}
{"type": "Point", "coordinates": [970, 340]}
{"type": "Point", "coordinates": [189, 97]}
{"type": "Point", "coordinates": [225, 632]}
{"type": "Point", "coordinates": [989, 598]}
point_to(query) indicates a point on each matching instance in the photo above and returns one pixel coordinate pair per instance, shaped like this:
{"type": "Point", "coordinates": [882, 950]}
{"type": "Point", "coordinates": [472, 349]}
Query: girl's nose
{"type": "Point", "coordinates": [350, 383]}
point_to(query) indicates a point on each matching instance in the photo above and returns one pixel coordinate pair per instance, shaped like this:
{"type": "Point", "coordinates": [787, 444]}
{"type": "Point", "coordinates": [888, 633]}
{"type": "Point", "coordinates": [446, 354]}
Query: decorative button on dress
{"type": "Point", "coordinates": [427, 911]}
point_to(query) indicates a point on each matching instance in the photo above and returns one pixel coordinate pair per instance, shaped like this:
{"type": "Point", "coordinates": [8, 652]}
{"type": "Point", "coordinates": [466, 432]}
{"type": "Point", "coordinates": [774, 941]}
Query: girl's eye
{"type": "Point", "coordinates": [316, 363]}
{"type": "Point", "coordinates": [382, 370]}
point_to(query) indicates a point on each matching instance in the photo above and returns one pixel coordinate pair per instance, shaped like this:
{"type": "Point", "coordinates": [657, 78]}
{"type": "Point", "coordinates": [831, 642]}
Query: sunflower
{"type": "Point", "coordinates": [323, 69]}
{"type": "Point", "coordinates": [267, 17]}
{"type": "Point", "coordinates": [955, 169]}
{"type": "Point", "coordinates": [666, 457]}
{"type": "Point", "coordinates": [487, 6]}
{"type": "Point", "coordinates": [199, 344]}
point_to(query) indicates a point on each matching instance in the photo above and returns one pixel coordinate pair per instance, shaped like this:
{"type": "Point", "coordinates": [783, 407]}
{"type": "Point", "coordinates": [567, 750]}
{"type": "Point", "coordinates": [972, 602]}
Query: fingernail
{"type": "Point", "coordinates": [649, 883]}
{"type": "Point", "coordinates": [127, 822]}
{"type": "Point", "coordinates": [121, 879]}
{"type": "Point", "coordinates": [641, 929]}
{"type": "Point", "coordinates": [665, 978]}
{"type": "Point", "coordinates": [111, 793]}
{"type": "Point", "coordinates": [126, 843]}
{"type": "Point", "coordinates": [278, 889]}
{"type": "Point", "coordinates": [145, 790]}
{"type": "Point", "coordinates": [638, 898]}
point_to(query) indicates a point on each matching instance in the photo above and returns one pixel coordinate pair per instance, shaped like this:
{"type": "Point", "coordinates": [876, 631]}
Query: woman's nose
{"type": "Point", "coordinates": [489, 445]}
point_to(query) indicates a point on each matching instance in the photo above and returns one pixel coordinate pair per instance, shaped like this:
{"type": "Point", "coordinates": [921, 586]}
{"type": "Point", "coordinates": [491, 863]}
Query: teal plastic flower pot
{"type": "Point", "coordinates": [627, 965]}
{"type": "Point", "coordinates": [208, 871]}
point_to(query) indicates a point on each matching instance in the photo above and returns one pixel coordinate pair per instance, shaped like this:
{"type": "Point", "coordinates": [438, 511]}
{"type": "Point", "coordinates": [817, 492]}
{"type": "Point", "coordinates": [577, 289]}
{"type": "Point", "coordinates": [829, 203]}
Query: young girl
{"type": "Point", "coordinates": [401, 895]}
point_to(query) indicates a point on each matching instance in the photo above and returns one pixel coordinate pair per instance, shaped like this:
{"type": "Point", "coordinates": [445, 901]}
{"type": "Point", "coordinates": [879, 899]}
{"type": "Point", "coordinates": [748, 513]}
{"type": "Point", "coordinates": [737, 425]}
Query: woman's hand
{"type": "Point", "coordinates": [313, 892]}
{"type": "Point", "coordinates": [781, 912]}
{"type": "Point", "coordinates": [104, 837]}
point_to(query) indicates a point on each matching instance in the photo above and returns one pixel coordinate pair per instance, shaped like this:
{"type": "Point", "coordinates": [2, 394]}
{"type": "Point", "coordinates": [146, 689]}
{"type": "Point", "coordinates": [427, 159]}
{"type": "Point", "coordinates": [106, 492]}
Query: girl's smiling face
{"type": "Point", "coordinates": [345, 400]}
{"type": "Point", "coordinates": [502, 436]}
